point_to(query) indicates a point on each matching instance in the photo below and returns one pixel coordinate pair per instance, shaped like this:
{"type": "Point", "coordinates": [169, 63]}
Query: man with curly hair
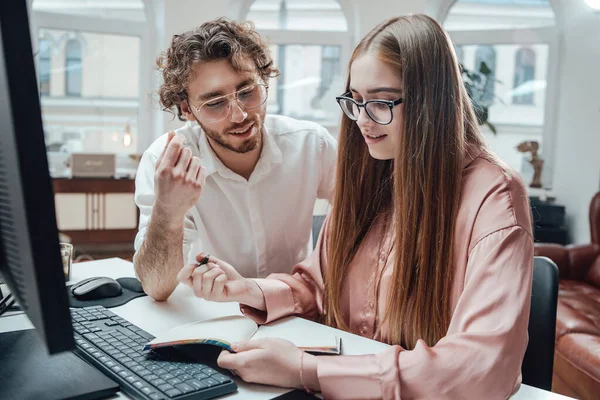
{"type": "Point", "coordinates": [232, 181]}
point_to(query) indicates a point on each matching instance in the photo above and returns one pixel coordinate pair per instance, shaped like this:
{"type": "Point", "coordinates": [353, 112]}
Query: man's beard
{"type": "Point", "coordinates": [222, 138]}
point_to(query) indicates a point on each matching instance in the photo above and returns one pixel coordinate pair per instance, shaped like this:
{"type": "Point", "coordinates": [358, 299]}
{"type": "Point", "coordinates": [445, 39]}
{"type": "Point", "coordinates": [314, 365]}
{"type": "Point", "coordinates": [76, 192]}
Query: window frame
{"type": "Point", "coordinates": [521, 57]}
{"type": "Point", "coordinates": [69, 60]}
{"type": "Point", "coordinates": [47, 59]}
{"type": "Point", "coordinates": [144, 30]}
{"type": "Point", "coordinates": [550, 36]}
{"type": "Point", "coordinates": [344, 39]}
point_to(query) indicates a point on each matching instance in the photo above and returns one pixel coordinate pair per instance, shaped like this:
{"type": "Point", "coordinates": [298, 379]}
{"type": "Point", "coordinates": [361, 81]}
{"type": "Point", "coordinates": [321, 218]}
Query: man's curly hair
{"type": "Point", "coordinates": [214, 40]}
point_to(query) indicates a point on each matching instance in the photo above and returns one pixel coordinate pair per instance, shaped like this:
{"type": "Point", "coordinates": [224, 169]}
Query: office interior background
{"type": "Point", "coordinates": [98, 83]}
{"type": "Point", "coordinates": [98, 78]}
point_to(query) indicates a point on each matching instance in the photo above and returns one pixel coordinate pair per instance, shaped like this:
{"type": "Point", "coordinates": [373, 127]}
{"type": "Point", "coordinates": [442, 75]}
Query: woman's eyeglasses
{"type": "Point", "coordinates": [379, 111]}
{"type": "Point", "coordinates": [217, 109]}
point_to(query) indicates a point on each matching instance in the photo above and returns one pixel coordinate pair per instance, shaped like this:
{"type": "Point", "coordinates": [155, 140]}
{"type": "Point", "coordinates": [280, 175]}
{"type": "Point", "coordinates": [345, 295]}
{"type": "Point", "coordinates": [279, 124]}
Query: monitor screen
{"type": "Point", "coordinates": [30, 260]}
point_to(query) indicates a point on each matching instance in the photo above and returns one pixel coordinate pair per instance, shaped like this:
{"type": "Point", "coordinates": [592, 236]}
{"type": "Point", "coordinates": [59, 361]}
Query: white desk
{"type": "Point", "coordinates": [182, 307]}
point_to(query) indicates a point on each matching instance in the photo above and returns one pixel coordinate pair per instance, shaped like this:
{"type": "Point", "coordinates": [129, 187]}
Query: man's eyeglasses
{"type": "Point", "coordinates": [217, 109]}
{"type": "Point", "coordinates": [379, 111]}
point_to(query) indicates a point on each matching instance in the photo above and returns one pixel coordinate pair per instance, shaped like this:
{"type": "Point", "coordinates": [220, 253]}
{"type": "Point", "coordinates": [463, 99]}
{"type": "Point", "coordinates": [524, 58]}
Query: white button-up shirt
{"type": "Point", "coordinates": [260, 225]}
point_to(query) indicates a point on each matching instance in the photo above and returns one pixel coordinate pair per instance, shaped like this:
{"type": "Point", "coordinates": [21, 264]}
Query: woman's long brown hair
{"type": "Point", "coordinates": [418, 192]}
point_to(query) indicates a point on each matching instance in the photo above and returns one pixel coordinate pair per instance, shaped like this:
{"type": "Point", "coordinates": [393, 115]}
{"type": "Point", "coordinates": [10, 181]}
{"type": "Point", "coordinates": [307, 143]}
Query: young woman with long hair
{"type": "Point", "coordinates": [428, 246]}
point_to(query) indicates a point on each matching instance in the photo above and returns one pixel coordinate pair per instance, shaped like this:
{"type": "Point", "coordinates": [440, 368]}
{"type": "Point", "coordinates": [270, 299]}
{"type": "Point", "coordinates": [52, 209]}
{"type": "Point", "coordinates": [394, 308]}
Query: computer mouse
{"type": "Point", "coordinates": [98, 287]}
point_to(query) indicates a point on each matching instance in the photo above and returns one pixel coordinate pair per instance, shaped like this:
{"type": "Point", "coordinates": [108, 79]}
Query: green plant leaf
{"type": "Point", "coordinates": [484, 69]}
{"type": "Point", "coordinates": [492, 128]}
{"type": "Point", "coordinates": [479, 112]}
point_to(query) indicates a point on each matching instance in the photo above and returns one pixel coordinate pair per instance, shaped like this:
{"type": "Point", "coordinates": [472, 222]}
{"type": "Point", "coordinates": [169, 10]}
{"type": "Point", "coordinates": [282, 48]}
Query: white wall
{"type": "Point", "coordinates": [577, 167]}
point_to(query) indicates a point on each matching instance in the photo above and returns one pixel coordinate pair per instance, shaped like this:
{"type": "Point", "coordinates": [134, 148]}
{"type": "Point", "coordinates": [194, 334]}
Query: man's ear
{"type": "Point", "coordinates": [185, 111]}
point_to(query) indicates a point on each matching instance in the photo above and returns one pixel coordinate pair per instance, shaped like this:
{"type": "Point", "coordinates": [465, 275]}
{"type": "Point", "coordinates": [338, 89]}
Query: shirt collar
{"type": "Point", "coordinates": [270, 153]}
{"type": "Point", "coordinates": [208, 158]}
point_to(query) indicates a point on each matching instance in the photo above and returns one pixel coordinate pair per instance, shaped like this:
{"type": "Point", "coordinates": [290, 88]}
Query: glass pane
{"type": "Point", "coordinates": [73, 77]}
{"type": "Point", "coordinates": [524, 75]}
{"type": "Point", "coordinates": [499, 14]}
{"type": "Point", "coordinates": [44, 66]}
{"type": "Point", "coordinates": [73, 68]}
{"type": "Point", "coordinates": [92, 86]}
{"type": "Point", "coordinates": [73, 49]}
{"type": "Point", "coordinates": [310, 79]}
{"type": "Point", "coordinates": [485, 57]}
{"type": "Point", "coordinates": [459, 54]}
{"type": "Point", "coordinates": [319, 15]}
{"type": "Point", "coordinates": [515, 122]}
{"type": "Point", "coordinates": [131, 10]}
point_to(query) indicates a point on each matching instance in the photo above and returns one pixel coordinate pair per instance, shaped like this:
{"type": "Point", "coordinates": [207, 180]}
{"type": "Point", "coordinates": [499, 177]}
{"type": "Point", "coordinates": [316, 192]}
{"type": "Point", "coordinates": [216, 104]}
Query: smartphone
{"type": "Point", "coordinates": [296, 395]}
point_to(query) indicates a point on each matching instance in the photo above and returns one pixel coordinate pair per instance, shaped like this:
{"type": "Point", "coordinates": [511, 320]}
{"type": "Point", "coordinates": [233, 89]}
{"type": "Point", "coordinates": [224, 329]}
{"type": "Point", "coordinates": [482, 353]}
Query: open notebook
{"type": "Point", "coordinates": [224, 331]}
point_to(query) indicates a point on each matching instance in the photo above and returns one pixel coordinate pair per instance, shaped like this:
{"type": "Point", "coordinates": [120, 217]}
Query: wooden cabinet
{"type": "Point", "coordinates": [99, 215]}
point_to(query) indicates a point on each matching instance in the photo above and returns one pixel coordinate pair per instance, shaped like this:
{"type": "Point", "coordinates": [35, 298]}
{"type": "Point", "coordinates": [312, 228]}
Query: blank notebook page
{"type": "Point", "coordinates": [294, 330]}
{"type": "Point", "coordinates": [230, 329]}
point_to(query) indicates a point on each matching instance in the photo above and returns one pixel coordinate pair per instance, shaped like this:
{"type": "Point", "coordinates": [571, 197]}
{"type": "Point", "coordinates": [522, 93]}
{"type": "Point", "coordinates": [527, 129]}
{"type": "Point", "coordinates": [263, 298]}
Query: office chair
{"type": "Point", "coordinates": [539, 356]}
{"type": "Point", "coordinates": [317, 223]}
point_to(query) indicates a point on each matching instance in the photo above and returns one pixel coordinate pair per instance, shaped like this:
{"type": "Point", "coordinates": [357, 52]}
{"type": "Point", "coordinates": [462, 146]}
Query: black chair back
{"type": "Point", "coordinates": [539, 356]}
{"type": "Point", "coordinates": [317, 224]}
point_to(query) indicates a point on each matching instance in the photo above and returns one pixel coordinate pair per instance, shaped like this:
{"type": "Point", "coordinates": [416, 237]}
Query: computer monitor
{"type": "Point", "coordinates": [30, 260]}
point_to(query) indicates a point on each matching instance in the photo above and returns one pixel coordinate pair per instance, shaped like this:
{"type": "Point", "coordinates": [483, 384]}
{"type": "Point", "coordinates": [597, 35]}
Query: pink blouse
{"type": "Point", "coordinates": [480, 357]}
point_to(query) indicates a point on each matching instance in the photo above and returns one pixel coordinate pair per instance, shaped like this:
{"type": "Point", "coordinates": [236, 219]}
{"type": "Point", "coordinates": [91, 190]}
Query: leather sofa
{"type": "Point", "coordinates": [577, 349]}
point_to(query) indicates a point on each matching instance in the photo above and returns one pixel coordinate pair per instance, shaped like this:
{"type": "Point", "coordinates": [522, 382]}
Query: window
{"type": "Point", "coordinates": [524, 77]}
{"type": "Point", "coordinates": [330, 68]}
{"type": "Point", "coordinates": [97, 76]}
{"type": "Point", "coordinates": [73, 68]}
{"type": "Point", "coordinates": [129, 10]}
{"type": "Point", "coordinates": [309, 81]}
{"type": "Point", "coordinates": [487, 55]}
{"type": "Point", "coordinates": [97, 107]}
{"type": "Point", "coordinates": [513, 122]}
{"type": "Point", "coordinates": [310, 44]}
{"type": "Point", "coordinates": [508, 118]}
{"type": "Point", "coordinates": [499, 14]}
{"type": "Point", "coordinates": [322, 15]}
{"type": "Point", "coordinates": [518, 41]}
{"type": "Point", "coordinates": [460, 54]}
{"type": "Point", "coordinates": [44, 66]}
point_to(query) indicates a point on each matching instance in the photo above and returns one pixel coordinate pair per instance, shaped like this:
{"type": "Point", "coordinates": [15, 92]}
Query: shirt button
{"type": "Point", "coordinates": [371, 304]}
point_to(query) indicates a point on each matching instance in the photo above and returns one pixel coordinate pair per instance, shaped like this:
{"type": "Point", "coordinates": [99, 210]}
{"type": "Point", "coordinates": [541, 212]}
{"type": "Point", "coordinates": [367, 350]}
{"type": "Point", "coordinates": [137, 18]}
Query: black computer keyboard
{"type": "Point", "coordinates": [114, 346]}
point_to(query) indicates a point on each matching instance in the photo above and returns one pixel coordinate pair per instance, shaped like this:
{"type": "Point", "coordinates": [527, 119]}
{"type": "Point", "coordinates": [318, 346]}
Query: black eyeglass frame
{"type": "Point", "coordinates": [391, 104]}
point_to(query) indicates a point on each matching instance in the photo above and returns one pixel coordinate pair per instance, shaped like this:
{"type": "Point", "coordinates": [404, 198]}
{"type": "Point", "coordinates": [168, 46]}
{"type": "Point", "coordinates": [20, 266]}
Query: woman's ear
{"type": "Point", "coordinates": [185, 111]}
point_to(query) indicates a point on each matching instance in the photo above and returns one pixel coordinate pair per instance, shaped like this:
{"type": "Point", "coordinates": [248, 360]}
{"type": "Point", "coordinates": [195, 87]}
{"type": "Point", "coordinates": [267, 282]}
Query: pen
{"type": "Point", "coordinates": [204, 260]}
